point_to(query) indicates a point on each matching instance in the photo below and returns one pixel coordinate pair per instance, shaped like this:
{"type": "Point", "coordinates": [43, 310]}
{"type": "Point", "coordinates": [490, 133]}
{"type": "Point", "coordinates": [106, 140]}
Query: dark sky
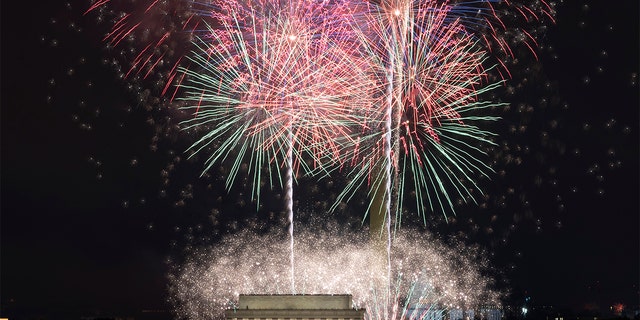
{"type": "Point", "coordinates": [92, 207]}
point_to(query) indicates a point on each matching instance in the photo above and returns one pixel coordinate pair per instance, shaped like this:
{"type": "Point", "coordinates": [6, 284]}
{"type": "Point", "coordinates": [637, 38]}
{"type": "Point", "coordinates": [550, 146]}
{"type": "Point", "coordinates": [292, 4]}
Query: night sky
{"type": "Point", "coordinates": [98, 199]}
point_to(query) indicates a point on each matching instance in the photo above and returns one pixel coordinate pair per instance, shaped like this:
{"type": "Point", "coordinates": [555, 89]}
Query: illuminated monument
{"type": "Point", "coordinates": [298, 307]}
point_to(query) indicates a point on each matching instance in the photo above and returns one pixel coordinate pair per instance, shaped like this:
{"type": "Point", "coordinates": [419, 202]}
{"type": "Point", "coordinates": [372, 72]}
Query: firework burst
{"type": "Point", "coordinates": [434, 75]}
{"type": "Point", "coordinates": [275, 81]}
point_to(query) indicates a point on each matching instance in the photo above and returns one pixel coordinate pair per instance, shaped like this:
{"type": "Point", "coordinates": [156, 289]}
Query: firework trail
{"type": "Point", "coordinates": [289, 201]}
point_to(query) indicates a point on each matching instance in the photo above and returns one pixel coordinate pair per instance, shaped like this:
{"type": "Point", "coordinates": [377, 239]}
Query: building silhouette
{"type": "Point", "coordinates": [299, 307]}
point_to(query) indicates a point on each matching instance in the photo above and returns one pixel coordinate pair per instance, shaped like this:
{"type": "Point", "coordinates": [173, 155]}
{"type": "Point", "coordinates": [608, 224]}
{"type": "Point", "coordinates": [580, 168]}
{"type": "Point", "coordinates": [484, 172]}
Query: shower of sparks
{"type": "Point", "coordinates": [425, 273]}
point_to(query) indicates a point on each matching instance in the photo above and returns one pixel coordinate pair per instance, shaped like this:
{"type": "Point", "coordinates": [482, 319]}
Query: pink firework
{"type": "Point", "coordinates": [284, 78]}
{"type": "Point", "coordinates": [437, 69]}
